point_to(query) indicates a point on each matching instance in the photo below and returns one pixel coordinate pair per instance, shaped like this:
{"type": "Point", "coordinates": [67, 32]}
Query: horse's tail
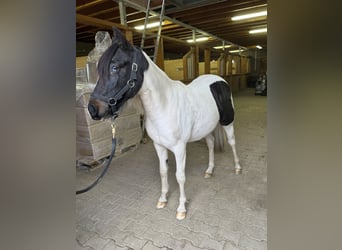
{"type": "Point", "coordinates": [220, 138]}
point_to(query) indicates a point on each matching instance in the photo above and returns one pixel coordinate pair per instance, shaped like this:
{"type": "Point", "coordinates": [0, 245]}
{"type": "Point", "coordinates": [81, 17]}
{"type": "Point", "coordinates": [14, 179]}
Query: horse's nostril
{"type": "Point", "coordinates": [92, 109]}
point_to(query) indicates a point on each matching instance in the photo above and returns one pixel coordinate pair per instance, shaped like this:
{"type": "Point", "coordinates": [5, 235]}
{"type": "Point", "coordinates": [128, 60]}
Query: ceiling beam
{"type": "Point", "coordinates": [82, 19]}
{"type": "Point", "coordinates": [141, 8]}
{"type": "Point", "coordinates": [87, 5]}
{"type": "Point", "coordinates": [92, 21]}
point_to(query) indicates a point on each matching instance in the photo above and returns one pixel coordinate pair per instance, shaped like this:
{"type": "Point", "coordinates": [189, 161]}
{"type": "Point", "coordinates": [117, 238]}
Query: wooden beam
{"type": "Point", "coordinates": [229, 65]}
{"type": "Point", "coordinates": [87, 5]}
{"type": "Point", "coordinates": [207, 61]}
{"type": "Point", "coordinates": [160, 55]}
{"type": "Point", "coordinates": [92, 21]}
{"type": "Point", "coordinates": [129, 36]}
{"type": "Point", "coordinates": [196, 61]}
{"type": "Point", "coordinates": [98, 22]}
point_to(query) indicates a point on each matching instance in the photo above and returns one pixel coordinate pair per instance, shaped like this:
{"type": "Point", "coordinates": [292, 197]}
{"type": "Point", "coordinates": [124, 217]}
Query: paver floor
{"type": "Point", "coordinates": [226, 211]}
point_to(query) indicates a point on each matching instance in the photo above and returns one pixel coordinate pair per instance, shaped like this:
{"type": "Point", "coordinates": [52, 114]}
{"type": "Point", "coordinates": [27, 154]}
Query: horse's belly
{"type": "Point", "coordinates": [163, 135]}
{"type": "Point", "coordinates": [202, 129]}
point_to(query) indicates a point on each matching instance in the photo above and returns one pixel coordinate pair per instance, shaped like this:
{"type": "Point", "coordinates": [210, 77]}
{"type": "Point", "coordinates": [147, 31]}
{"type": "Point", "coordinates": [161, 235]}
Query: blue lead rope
{"type": "Point", "coordinates": [105, 168]}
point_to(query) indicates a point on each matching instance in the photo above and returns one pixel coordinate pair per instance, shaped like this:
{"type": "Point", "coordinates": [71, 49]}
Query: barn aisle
{"type": "Point", "coordinates": [227, 211]}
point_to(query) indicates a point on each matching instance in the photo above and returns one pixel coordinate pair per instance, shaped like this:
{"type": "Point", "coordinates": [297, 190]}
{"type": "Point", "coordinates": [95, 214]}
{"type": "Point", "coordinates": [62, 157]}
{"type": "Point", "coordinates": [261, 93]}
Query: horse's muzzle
{"type": "Point", "coordinates": [93, 111]}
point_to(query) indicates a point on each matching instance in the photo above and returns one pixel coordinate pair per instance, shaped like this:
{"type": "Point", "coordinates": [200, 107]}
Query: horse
{"type": "Point", "coordinates": [174, 113]}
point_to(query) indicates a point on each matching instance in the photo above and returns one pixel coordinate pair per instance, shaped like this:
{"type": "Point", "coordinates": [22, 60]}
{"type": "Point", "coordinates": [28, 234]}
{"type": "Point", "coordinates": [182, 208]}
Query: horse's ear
{"type": "Point", "coordinates": [120, 39]}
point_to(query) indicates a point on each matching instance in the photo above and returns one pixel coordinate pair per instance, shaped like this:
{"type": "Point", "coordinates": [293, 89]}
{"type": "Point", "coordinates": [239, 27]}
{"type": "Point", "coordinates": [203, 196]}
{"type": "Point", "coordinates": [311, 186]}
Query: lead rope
{"type": "Point", "coordinates": [106, 167]}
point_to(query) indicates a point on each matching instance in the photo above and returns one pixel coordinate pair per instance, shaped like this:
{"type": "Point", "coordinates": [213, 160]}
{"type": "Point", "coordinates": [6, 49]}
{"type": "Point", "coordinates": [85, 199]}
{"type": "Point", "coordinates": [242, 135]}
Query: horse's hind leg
{"type": "Point", "coordinates": [163, 168]}
{"type": "Point", "coordinates": [231, 140]}
{"type": "Point", "coordinates": [210, 143]}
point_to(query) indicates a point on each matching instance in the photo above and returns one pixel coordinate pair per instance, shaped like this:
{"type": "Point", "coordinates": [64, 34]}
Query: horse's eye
{"type": "Point", "coordinates": [114, 69]}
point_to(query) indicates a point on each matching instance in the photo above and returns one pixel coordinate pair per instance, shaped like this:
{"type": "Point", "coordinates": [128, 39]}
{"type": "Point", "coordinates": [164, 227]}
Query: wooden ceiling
{"type": "Point", "coordinates": [207, 17]}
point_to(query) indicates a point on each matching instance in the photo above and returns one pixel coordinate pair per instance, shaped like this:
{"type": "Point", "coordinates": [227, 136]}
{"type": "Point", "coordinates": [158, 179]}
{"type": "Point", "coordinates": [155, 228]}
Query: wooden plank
{"type": "Point", "coordinates": [98, 22]}
{"type": "Point", "coordinates": [82, 19]}
{"type": "Point", "coordinates": [87, 5]}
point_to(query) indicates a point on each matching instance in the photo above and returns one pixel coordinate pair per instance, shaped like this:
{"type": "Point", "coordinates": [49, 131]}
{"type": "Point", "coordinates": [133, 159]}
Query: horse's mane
{"type": "Point", "coordinates": [118, 42]}
{"type": "Point", "coordinates": [105, 59]}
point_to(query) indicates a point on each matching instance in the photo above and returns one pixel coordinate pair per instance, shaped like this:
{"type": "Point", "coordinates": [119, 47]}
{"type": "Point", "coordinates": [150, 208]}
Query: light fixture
{"type": "Point", "coordinates": [263, 30]}
{"type": "Point", "coordinates": [250, 15]}
{"type": "Point", "coordinates": [148, 26]}
{"type": "Point", "coordinates": [235, 51]}
{"type": "Point", "coordinates": [200, 39]}
{"type": "Point", "coordinates": [259, 47]}
{"type": "Point", "coordinates": [221, 47]}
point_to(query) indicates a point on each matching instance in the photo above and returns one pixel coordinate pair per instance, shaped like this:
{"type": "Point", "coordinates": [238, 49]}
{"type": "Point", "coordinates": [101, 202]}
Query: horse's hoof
{"type": "Point", "coordinates": [161, 204]}
{"type": "Point", "coordinates": [207, 175]}
{"type": "Point", "coordinates": [238, 171]}
{"type": "Point", "coordinates": [180, 215]}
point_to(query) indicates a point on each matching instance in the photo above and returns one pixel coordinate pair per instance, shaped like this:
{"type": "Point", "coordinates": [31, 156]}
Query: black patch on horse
{"type": "Point", "coordinates": [222, 95]}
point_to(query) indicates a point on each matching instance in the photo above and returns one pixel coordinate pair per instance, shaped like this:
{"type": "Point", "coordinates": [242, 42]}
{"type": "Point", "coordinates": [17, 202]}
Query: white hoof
{"type": "Point", "coordinates": [180, 215]}
{"type": "Point", "coordinates": [207, 175]}
{"type": "Point", "coordinates": [161, 204]}
{"type": "Point", "coordinates": [238, 170]}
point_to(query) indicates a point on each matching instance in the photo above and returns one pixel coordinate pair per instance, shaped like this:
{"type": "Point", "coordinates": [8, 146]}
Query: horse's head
{"type": "Point", "coordinates": [120, 76]}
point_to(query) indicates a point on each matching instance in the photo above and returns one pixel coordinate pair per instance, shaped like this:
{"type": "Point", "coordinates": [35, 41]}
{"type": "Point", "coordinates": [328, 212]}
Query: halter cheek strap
{"type": "Point", "coordinates": [129, 85]}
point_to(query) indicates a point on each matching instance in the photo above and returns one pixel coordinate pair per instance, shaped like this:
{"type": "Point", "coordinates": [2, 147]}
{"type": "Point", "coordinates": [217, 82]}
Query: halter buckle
{"type": "Point", "coordinates": [131, 83]}
{"type": "Point", "coordinates": [134, 67]}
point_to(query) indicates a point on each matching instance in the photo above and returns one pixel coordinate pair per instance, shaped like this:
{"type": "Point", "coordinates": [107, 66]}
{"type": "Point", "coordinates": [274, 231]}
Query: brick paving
{"type": "Point", "coordinates": [225, 212]}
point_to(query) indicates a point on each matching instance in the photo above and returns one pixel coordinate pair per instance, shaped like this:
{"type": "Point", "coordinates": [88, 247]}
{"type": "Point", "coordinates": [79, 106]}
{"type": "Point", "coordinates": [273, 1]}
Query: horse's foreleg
{"type": "Point", "coordinates": [180, 155]}
{"type": "Point", "coordinates": [210, 143]}
{"type": "Point", "coordinates": [231, 140]}
{"type": "Point", "coordinates": [163, 168]}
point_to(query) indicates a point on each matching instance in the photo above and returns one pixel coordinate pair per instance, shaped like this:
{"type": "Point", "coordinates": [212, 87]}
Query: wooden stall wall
{"type": "Point", "coordinates": [174, 68]}
{"type": "Point", "coordinates": [237, 68]}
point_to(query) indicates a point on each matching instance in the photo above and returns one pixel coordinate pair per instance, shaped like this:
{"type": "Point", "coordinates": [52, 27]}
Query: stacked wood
{"type": "Point", "coordinates": [94, 138]}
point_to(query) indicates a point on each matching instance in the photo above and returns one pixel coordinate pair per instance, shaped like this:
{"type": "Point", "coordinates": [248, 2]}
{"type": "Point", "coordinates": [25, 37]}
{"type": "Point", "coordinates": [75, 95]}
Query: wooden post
{"type": "Point", "coordinates": [230, 65]}
{"type": "Point", "coordinates": [221, 64]}
{"type": "Point", "coordinates": [160, 54]}
{"type": "Point", "coordinates": [196, 61]}
{"type": "Point", "coordinates": [129, 36]}
{"type": "Point", "coordinates": [239, 65]}
{"type": "Point", "coordinates": [186, 57]}
{"type": "Point", "coordinates": [207, 61]}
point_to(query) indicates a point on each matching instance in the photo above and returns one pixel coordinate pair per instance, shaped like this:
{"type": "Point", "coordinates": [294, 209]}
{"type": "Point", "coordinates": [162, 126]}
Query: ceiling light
{"type": "Point", "coordinates": [263, 30]}
{"type": "Point", "coordinates": [200, 39]}
{"type": "Point", "coordinates": [251, 15]}
{"type": "Point", "coordinates": [259, 47]}
{"type": "Point", "coordinates": [148, 26]}
{"type": "Point", "coordinates": [235, 51]}
{"type": "Point", "coordinates": [221, 47]}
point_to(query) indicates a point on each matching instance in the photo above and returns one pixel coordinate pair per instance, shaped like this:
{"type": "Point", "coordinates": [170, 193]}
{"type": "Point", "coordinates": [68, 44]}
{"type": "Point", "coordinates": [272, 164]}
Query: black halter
{"type": "Point", "coordinates": [129, 85]}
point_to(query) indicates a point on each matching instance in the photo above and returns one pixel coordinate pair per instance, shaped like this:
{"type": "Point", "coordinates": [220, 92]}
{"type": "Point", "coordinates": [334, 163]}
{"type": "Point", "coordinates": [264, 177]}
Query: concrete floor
{"type": "Point", "coordinates": [227, 211]}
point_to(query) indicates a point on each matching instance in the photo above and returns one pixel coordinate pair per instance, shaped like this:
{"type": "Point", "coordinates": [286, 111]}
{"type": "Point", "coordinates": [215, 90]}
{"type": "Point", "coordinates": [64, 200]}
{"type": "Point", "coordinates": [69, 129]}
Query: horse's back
{"type": "Point", "coordinates": [214, 89]}
{"type": "Point", "coordinates": [205, 113]}
{"type": "Point", "coordinates": [205, 80]}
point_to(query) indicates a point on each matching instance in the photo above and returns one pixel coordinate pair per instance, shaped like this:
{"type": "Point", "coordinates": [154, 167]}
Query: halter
{"type": "Point", "coordinates": [129, 85]}
{"type": "Point", "coordinates": [112, 101]}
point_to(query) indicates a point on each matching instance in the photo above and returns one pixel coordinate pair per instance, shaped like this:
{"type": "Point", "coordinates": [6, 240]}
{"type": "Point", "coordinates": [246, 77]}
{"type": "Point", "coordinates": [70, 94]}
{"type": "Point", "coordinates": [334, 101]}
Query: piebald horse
{"type": "Point", "coordinates": [175, 113]}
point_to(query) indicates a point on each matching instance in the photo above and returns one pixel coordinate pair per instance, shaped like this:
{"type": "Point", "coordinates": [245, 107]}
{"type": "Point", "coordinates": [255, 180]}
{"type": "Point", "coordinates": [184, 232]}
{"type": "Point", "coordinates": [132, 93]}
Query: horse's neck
{"type": "Point", "coordinates": [156, 90]}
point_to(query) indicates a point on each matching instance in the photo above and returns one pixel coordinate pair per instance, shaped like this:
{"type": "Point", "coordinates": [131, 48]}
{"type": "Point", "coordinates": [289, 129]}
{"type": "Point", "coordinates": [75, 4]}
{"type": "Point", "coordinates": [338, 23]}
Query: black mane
{"type": "Point", "coordinates": [105, 60]}
{"type": "Point", "coordinates": [119, 41]}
